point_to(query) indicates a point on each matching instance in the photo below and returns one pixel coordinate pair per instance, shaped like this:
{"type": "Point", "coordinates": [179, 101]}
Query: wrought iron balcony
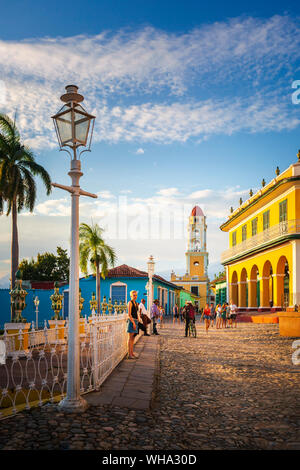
{"type": "Point", "coordinates": [270, 235]}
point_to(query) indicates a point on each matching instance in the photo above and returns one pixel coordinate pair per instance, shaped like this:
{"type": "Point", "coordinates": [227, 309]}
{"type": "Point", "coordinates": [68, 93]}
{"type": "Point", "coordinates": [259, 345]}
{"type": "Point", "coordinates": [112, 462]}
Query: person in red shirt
{"type": "Point", "coordinates": [207, 317]}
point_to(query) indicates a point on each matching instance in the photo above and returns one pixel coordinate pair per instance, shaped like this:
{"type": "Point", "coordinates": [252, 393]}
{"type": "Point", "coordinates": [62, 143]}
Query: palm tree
{"type": "Point", "coordinates": [17, 185]}
{"type": "Point", "coordinates": [93, 249]}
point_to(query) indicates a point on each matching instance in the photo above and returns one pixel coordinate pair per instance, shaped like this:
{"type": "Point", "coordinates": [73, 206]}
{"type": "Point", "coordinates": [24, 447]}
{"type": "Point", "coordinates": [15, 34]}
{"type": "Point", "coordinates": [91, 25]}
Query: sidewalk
{"type": "Point", "coordinates": [132, 383]}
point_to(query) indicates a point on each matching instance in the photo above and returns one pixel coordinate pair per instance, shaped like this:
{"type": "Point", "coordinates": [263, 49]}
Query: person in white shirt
{"type": "Point", "coordinates": [176, 314]}
{"type": "Point", "coordinates": [144, 316]}
{"type": "Point", "coordinates": [233, 315]}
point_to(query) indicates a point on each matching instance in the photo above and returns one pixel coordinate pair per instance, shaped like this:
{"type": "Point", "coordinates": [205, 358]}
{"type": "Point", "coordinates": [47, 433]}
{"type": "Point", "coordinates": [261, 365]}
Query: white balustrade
{"type": "Point", "coordinates": [40, 375]}
{"type": "Point", "coordinates": [283, 229]}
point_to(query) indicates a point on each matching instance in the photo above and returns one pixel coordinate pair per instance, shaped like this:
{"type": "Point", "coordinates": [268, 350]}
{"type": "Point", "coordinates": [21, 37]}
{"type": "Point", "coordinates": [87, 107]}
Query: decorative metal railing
{"type": "Point", "coordinates": [103, 346]}
{"type": "Point", "coordinates": [289, 227]}
{"type": "Point", "coordinates": [35, 369]}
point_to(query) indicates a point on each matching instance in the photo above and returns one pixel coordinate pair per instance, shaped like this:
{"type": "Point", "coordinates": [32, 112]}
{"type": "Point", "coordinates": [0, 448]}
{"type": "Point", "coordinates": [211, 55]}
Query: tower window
{"type": "Point", "coordinates": [196, 263]}
{"type": "Point", "coordinates": [194, 290]}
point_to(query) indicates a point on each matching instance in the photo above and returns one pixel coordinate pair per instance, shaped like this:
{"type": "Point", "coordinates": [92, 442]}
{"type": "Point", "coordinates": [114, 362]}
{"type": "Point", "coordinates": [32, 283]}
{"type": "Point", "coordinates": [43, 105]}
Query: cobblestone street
{"type": "Point", "coordinates": [228, 389]}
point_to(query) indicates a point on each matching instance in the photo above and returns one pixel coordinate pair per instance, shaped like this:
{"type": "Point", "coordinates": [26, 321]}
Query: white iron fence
{"type": "Point", "coordinates": [35, 370]}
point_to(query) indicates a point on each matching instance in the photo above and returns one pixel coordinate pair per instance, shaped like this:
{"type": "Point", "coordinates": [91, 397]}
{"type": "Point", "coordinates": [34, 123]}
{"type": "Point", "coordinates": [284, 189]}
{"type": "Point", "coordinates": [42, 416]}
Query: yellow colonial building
{"type": "Point", "coordinates": [263, 259]}
{"type": "Point", "coordinates": [196, 279]}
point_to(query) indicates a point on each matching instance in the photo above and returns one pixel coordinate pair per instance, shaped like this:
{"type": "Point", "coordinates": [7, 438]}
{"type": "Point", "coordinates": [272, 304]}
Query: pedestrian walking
{"type": "Point", "coordinates": [207, 317]}
{"type": "Point", "coordinates": [218, 316]}
{"type": "Point", "coordinates": [144, 316]}
{"type": "Point", "coordinates": [154, 316]}
{"type": "Point", "coordinates": [212, 314]}
{"type": "Point", "coordinates": [189, 314]}
{"type": "Point", "coordinates": [233, 314]}
{"type": "Point", "coordinates": [176, 314]}
{"type": "Point", "coordinates": [181, 314]}
{"type": "Point", "coordinates": [161, 316]}
{"type": "Point", "coordinates": [132, 326]}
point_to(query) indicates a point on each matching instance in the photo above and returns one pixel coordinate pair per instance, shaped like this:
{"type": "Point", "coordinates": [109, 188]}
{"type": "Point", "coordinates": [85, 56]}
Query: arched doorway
{"type": "Point", "coordinates": [243, 289]}
{"type": "Point", "coordinates": [254, 288]}
{"type": "Point", "coordinates": [234, 289]}
{"type": "Point", "coordinates": [266, 287]}
{"type": "Point", "coordinates": [283, 282]}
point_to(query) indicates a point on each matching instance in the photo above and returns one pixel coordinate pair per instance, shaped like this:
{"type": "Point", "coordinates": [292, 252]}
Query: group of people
{"type": "Point", "coordinates": [225, 315]}
{"type": "Point", "coordinates": [138, 318]}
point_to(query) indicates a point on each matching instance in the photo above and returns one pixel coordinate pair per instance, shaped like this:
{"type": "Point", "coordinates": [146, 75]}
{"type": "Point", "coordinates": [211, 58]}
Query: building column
{"type": "Point", "coordinates": [242, 294]}
{"type": "Point", "coordinates": [227, 284]}
{"type": "Point", "coordinates": [295, 273]}
{"type": "Point", "coordinates": [252, 302]}
{"type": "Point", "coordinates": [233, 292]}
{"type": "Point", "coordinates": [264, 294]}
{"type": "Point", "coordinates": [278, 286]}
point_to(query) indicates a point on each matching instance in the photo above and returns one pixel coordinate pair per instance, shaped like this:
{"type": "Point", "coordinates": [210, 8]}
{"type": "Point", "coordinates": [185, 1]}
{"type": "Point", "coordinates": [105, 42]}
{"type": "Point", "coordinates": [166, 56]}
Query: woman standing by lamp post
{"type": "Point", "coordinates": [133, 325]}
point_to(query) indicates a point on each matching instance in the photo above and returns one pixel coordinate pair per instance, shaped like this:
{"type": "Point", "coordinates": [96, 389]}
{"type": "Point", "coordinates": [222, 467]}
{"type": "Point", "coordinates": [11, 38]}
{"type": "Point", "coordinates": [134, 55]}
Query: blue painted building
{"type": "Point", "coordinates": [45, 312]}
{"type": "Point", "coordinates": [117, 286]}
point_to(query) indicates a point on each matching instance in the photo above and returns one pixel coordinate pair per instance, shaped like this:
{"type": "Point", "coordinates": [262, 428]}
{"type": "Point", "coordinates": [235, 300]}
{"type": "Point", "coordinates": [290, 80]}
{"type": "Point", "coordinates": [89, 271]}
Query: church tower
{"type": "Point", "coordinates": [196, 279]}
{"type": "Point", "coordinates": [196, 255]}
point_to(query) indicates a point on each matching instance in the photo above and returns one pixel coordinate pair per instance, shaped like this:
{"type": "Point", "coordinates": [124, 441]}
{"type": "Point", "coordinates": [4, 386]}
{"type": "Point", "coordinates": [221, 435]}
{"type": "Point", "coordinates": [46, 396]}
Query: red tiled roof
{"type": "Point", "coordinates": [197, 211]}
{"type": "Point", "coordinates": [128, 271]}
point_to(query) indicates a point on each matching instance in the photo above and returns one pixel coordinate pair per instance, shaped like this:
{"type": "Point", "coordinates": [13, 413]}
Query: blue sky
{"type": "Point", "coordinates": [193, 105]}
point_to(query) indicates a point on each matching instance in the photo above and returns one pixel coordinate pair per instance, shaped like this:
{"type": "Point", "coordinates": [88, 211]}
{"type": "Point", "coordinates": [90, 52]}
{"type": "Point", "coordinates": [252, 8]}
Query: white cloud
{"type": "Point", "coordinates": [163, 77]}
{"type": "Point", "coordinates": [201, 194]}
{"type": "Point", "coordinates": [105, 195]}
{"type": "Point", "coordinates": [140, 151]}
{"type": "Point", "coordinates": [125, 191]}
{"type": "Point", "coordinates": [168, 192]}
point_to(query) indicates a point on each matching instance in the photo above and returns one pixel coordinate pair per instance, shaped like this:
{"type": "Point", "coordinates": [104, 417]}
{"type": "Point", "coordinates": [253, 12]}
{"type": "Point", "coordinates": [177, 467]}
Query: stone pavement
{"type": "Point", "coordinates": [228, 389]}
{"type": "Point", "coordinates": [132, 383]}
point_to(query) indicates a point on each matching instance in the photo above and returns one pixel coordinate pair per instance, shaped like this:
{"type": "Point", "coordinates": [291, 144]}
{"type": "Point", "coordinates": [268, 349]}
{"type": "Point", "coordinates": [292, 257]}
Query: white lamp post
{"type": "Point", "coordinates": [36, 303]}
{"type": "Point", "coordinates": [74, 128]}
{"type": "Point", "coordinates": [151, 266]}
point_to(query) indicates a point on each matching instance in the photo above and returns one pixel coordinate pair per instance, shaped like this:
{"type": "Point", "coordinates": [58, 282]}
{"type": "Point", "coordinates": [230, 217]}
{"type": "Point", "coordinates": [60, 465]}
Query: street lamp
{"type": "Point", "coordinates": [36, 303]}
{"type": "Point", "coordinates": [74, 128]}
{"type": "Point", "coordinates": [151, 266]}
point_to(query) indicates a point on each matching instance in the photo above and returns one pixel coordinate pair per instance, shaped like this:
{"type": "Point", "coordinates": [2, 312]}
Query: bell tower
{"type": "Point", "coordinates": [196, 278]}
{"type": "Point", "coordinates": [196, 255]}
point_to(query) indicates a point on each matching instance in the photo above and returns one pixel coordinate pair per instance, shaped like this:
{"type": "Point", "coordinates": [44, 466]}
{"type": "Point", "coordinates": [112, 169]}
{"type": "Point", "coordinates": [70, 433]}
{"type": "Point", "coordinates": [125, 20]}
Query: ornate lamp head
{"type": "Point", "coordinates": [81, 302]}
{"type": "Point", "coordinates": [93, 302]}
{"type": "Point", "coordinates": [104, 305]}
{"type": "Point", "coordinates": [56, 302]}
{"type": "Point", "coordinates": [17, 296]}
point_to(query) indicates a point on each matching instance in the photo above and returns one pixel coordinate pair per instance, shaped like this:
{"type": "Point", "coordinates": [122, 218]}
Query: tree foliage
{"type": "Point", "coordinates": [95, 252]}
{"type": "Point", "coordinates": [47, 267]}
